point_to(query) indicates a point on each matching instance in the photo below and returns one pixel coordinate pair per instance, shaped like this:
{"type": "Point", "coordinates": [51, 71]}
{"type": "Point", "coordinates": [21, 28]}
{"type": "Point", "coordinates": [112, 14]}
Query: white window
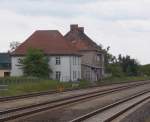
{"type": "Point", "coordinates": [78, 74]}
{"type": "Point", "coordinates": [74, 75]}
{"type": "Point", "coordinates": [74, 60]}
{"type": "Point", "coordinates": [58, 60]}
{"type": "Point", "coordinates": [78, 61]}
{"type": "Point", "coordinates": [58, 75]}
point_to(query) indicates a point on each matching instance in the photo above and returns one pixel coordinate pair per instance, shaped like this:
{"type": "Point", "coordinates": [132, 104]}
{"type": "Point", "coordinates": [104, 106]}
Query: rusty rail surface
{"type": "Point", "coordinates": [115, 104]}
{"type": "Point", "coordinates": [30, 109]}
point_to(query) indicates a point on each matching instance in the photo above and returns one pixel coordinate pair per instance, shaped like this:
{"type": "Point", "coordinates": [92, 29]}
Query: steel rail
{"type": "Point", "coordinates": [127, 109]}
{"type": "Point", "coordinates": [26, 110]}
{"type": "Point", "coordinates": [9, 98]}
{"type": "Point", "coordinates": [101, 110]}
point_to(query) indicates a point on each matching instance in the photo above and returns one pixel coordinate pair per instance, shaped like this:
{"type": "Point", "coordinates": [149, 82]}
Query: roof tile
{"type": "Point", "coordinates": [50, 41]}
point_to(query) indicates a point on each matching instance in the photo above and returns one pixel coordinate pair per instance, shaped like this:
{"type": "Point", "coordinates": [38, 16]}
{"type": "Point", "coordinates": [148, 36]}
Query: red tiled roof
{"type": "Point", "coordinates": [50, 41]}
{"type": "Point", "coordinates": [79, 39]}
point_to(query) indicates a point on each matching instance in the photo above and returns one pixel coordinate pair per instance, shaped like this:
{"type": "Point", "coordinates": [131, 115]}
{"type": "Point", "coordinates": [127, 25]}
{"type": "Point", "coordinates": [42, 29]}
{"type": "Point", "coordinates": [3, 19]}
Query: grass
{"type": "Point", "coordinates": [124, 79]}
{"type": "Point", "coordinates": [42, 85]}
{"type": "Point", "coordinates": [18, 88]}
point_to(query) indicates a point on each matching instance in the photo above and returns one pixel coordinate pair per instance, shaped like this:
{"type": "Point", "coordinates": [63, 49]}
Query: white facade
{"type": "Point", "coordinates": [66, 68]}
{"type": "Point", "coordinates": [15, 69]}
{"type": "Point", "coordinates": [69, 67]}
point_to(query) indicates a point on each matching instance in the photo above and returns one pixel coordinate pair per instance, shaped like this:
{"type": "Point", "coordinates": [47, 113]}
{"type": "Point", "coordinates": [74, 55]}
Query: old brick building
{"type": "Point", "coordinates": [92, 60]}
{"type": "Point", "coordinates": [71, 57]}
{"type": "Point", "coordinates": [64, 60]}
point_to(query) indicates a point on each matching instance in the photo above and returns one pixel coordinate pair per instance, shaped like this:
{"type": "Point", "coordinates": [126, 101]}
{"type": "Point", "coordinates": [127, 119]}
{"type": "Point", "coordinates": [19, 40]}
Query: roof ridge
{"type": "Point", "coordinates": [50, 41]}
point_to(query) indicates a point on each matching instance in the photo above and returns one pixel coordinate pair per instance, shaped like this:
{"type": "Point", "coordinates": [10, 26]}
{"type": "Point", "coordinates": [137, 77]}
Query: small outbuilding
{"type": "Point", "coordinates": [5, 64]}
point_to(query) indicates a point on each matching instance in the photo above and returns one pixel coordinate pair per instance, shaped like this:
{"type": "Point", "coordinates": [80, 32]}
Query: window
{"type": "Point", "coordinates": [78, 61]}
{"type": "Point", "coordinates": [6, 74]}
{"type": "Point", "coordinates": [78, 74]}
{"type": "Point", "coordinates": [74, 75]}
{"type": "Point", "coordinates": [58, 60]}
{"type": "Point", "coordinates": [87, 75]}
{"type": "Point", "coordinates": [98, 58]}
{"type": "Point", "coordinates": [75, 60]}
{"type": "Point", "coordinates": [58, 75]}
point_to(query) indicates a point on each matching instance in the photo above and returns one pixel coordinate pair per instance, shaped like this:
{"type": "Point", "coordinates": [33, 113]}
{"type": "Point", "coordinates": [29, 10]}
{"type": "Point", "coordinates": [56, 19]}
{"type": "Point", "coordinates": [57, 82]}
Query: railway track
{"type": "Point", "coordinates": [30, 109]}
{"type": "Point", "coordinates": [9, 98]}
{"type": "Point", "coordinates": [112, 111]}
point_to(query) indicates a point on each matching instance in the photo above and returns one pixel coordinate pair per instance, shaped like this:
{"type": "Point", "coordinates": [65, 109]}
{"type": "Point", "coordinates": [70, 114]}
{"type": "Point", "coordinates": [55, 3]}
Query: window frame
{"type": "Point", "coordinates": [58, 75]}
{"type": "Point", "coordinates": [57, 60]}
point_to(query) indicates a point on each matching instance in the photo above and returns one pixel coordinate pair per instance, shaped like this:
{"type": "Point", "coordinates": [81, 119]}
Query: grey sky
{"type": "Point", "coordinates": [124, 25]}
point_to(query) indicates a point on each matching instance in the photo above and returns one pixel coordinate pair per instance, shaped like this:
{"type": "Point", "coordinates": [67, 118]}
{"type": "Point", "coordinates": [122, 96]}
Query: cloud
{"type": "Point", "coordinates": [121, 24]}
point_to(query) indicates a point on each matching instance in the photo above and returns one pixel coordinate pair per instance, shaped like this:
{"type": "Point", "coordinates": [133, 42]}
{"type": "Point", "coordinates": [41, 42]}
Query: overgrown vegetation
{"type": "Point", "coordinates": [15, 88]}
{"type": "Point", "coordinates": [124, 66]}
{"type": "Point", "coordinates": [36, 71]}
{"type": "Point", "coordinates": [35, 64]}
{"type": "Point", "coordinates": [145, 70]}
{"type": "Point", "coordinates": [124, 79]}
{"type": "Point", "coordinates": [26, 85]}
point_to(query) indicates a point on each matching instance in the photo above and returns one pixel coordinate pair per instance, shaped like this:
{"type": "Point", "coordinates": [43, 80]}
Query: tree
{"type": "Point", "coordinates": [13, 45]}
{"type": "Point", "coordinates": [121, 65]}
{"type": "Point", "coordinates": [109, 59]}
{"type": "Point", "coordinates": [35, 64]}
{"type": "Point", "coordinates": [129, 66]}
{"type": "Point", "coordinates": [115, 70]}
{"type": "Point", "coordinates": [145, 70]}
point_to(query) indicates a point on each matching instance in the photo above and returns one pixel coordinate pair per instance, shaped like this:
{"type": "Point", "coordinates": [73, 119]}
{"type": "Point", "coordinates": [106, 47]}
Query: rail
{"type": "Point", "coordinates": [8, 98]}
{"type": "Point", "coordinates": [108, 107]}
{"type": "Point", "coordinates": [30, 109]}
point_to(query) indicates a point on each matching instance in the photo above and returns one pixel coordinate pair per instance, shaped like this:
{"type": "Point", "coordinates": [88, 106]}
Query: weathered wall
{"type": "Point", "coordinates": [92, 58]}
{"type": "Point", "coordinates": [67, 67]}
{"type": "Point", "coordinates": [2, 72]}
{"type": "Point", "coordinates": [15, 69]}
{"type": "Point", "coordinates": [91, 74]}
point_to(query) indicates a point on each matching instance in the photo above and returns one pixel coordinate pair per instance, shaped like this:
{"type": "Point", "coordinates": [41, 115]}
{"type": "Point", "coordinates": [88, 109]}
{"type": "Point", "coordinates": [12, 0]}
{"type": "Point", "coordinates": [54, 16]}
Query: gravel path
{"type": "Point", "coordinates": [50, 97]}
{"type": "Point", "coordinates": [68, 112]}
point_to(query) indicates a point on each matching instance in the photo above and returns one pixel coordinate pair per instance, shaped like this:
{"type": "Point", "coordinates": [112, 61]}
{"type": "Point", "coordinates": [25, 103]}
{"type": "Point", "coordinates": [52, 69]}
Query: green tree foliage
{"type": "Point", "coordinates": [121, 65]}
{"type": "Point", "coordinates": [115, 70]}
{"type": "Point", "coordinates": [13, 45]}
{"type": "Point", "coordinates": [129, 66]}
{"type": "Point", "coordinates": [35, 64]}
{"type": "Point", "coordinates": [109, 59]}
{"type": "Point", "coordinates": [145, 69]}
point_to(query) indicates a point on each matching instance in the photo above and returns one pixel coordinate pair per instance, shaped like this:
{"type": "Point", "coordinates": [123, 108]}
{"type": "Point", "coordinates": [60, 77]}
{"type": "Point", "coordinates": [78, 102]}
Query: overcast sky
{"type": "Point", "coordinates": [124, 25]}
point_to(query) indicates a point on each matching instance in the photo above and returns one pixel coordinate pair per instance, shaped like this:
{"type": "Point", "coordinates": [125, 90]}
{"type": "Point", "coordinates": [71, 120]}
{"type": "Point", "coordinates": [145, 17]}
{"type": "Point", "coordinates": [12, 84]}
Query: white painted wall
{"type": "Point", "coordinates": [15, 69]}
{"type": "Point", "coordinates": [67, 67]}
{"type": "Point", "coordinates": [75, 67]}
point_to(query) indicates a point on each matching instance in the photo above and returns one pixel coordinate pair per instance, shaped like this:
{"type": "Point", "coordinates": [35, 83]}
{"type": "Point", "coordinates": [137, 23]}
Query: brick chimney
{"type": "Point", "coordinates": [81, 29]}
{"type": "Point", "coordinates": [74, 27]}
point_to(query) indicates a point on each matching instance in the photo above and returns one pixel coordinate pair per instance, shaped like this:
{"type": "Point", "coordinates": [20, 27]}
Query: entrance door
{"type": "Point", "coordinates": [6, 74]}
